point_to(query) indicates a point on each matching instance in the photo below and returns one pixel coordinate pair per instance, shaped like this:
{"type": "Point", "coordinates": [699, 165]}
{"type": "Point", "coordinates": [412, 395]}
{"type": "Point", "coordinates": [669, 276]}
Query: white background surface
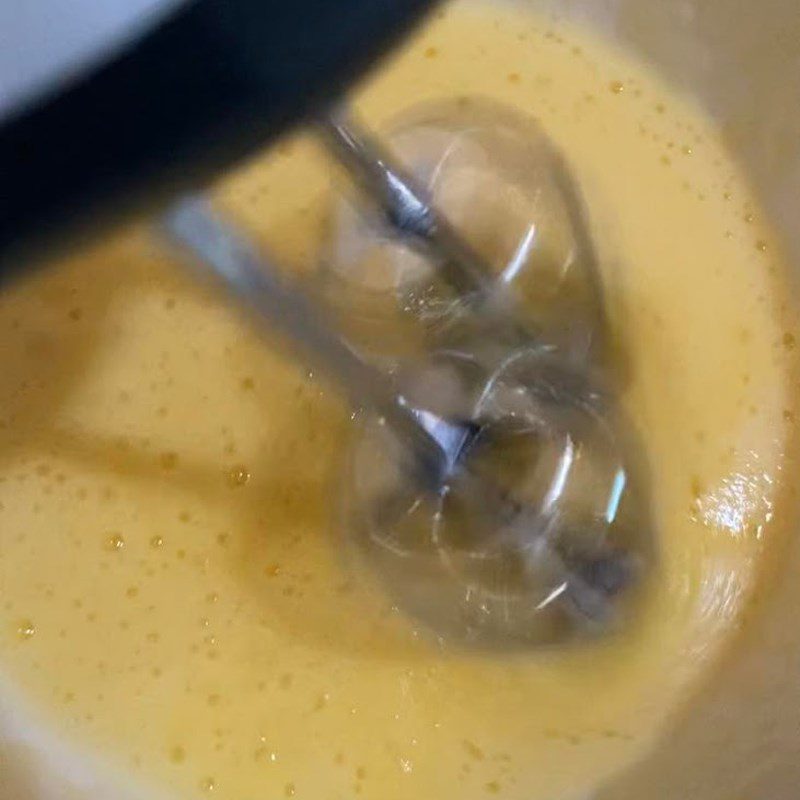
{"type": "Point", "coordinates": [44, 43]}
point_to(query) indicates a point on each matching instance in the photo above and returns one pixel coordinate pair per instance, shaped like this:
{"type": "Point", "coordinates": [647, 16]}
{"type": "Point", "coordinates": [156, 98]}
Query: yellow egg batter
{"type": "Point", "coordinates": [173, 609]}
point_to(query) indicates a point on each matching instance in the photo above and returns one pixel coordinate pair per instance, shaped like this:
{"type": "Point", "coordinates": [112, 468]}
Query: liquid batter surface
{"type": "Point", "coordinates": [175, 615]}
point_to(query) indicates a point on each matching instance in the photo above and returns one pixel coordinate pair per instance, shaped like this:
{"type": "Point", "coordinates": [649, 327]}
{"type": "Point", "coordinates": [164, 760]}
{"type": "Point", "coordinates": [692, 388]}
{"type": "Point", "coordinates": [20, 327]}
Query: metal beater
{"type": "Point", "coordinates": [493, 482]}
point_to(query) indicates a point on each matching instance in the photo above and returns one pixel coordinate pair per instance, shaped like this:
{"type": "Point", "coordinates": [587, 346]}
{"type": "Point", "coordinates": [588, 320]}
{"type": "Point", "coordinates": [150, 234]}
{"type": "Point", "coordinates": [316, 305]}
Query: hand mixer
{"type": "Point", "coordinates": [493, 484]}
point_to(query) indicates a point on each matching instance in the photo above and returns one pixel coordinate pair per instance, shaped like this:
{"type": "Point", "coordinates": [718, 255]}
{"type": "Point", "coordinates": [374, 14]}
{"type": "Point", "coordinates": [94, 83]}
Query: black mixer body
{"type": "Point", "coordinates": [211, 82]}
